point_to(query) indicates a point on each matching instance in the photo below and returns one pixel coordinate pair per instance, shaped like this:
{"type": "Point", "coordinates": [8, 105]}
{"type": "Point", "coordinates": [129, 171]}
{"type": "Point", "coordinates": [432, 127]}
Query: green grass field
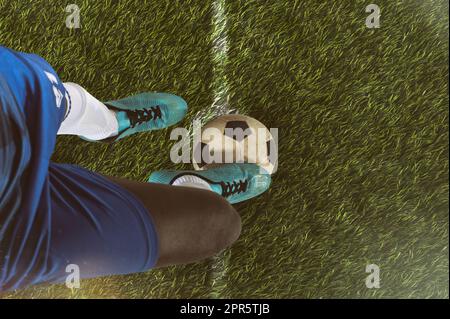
{"type": "Point", "coordinates": [363, 134]}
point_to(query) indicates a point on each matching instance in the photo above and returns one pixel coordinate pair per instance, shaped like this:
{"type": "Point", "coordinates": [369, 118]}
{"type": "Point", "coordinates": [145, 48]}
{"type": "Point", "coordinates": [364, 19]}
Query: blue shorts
{"type": "Point", "coordinates": [54, 217]}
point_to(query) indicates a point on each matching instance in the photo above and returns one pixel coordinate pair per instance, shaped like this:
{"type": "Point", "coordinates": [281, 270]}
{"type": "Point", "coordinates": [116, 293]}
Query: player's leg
{"type": "Point", "coordinates": [110, 226]}
{"type": "Point", "coordinates": [194, 219]}
{"type": "Point", "coordinates": [94, 120]}
{"type": "Point", "coordinates": [192, 224]}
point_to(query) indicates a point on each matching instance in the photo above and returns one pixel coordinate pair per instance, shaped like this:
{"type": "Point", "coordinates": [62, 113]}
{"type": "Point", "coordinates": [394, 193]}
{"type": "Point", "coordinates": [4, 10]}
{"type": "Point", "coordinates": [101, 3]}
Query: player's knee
{"type": "Point", "coordinates": [226, 227]}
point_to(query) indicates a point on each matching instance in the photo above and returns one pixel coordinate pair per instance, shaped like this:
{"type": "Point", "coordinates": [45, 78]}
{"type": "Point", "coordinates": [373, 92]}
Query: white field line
{"type": "Point", "coordinates": [220, 57]}
{"type": "Point", "coordinates": [220, 85]}
{"type": "Point", "coordinates": [220, 106]}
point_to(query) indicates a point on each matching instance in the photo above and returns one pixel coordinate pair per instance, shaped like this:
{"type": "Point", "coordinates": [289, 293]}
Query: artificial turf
{"type": "Point", "coordinates": [363, 135]}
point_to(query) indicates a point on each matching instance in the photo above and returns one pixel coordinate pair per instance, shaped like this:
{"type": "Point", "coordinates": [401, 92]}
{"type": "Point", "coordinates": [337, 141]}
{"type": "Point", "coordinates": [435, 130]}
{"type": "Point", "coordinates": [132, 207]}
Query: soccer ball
{"type": "Point", "coordinates": [235, 138]}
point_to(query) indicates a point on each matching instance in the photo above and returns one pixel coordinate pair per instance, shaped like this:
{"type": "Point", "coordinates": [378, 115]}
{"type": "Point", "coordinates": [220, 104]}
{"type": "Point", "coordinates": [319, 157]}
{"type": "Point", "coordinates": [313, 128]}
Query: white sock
{"type": "Point", "coordinates": [192, 181]}
{"type": "Point", "coordinates": [87, 116]}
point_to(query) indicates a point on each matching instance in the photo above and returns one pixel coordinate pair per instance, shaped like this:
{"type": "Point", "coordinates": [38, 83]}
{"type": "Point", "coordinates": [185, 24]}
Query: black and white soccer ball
{"type": "Point", "coordinates": [239, 138]}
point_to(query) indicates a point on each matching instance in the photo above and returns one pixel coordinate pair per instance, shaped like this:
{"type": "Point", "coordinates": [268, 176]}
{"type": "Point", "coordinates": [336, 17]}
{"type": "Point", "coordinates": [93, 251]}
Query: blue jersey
{"type": "Point", "coordinates": [32, 107]}
{"type": "Point", "coordinates": [53, 216]}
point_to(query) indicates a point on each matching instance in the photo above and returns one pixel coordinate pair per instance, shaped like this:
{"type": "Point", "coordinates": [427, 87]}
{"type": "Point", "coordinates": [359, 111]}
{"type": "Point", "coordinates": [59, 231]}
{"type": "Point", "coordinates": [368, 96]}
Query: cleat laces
{"type": "Point", "coordinates": [144, 115]}
{"type": "Point", "coordinates": [229, 189]}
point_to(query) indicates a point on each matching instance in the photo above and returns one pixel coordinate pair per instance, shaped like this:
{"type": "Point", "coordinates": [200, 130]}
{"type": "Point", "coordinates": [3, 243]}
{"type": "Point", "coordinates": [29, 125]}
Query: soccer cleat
{"type": "Point", "coordinates": [146, 112]}
{"type": "Point", "coordinates": [235, 182]}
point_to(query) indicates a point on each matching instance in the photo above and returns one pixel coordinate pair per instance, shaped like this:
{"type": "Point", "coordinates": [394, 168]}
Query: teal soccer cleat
{"type": "Point", "coordinates": [146, 112]}
{"type": "Point", "coordinates": [235, 182]}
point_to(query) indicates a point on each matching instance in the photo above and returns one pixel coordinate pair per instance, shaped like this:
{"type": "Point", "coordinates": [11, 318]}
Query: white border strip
{"type": "Point", "coordinates": [220, 106]}
{"type": "Point", "coordinates": [220, 85]}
